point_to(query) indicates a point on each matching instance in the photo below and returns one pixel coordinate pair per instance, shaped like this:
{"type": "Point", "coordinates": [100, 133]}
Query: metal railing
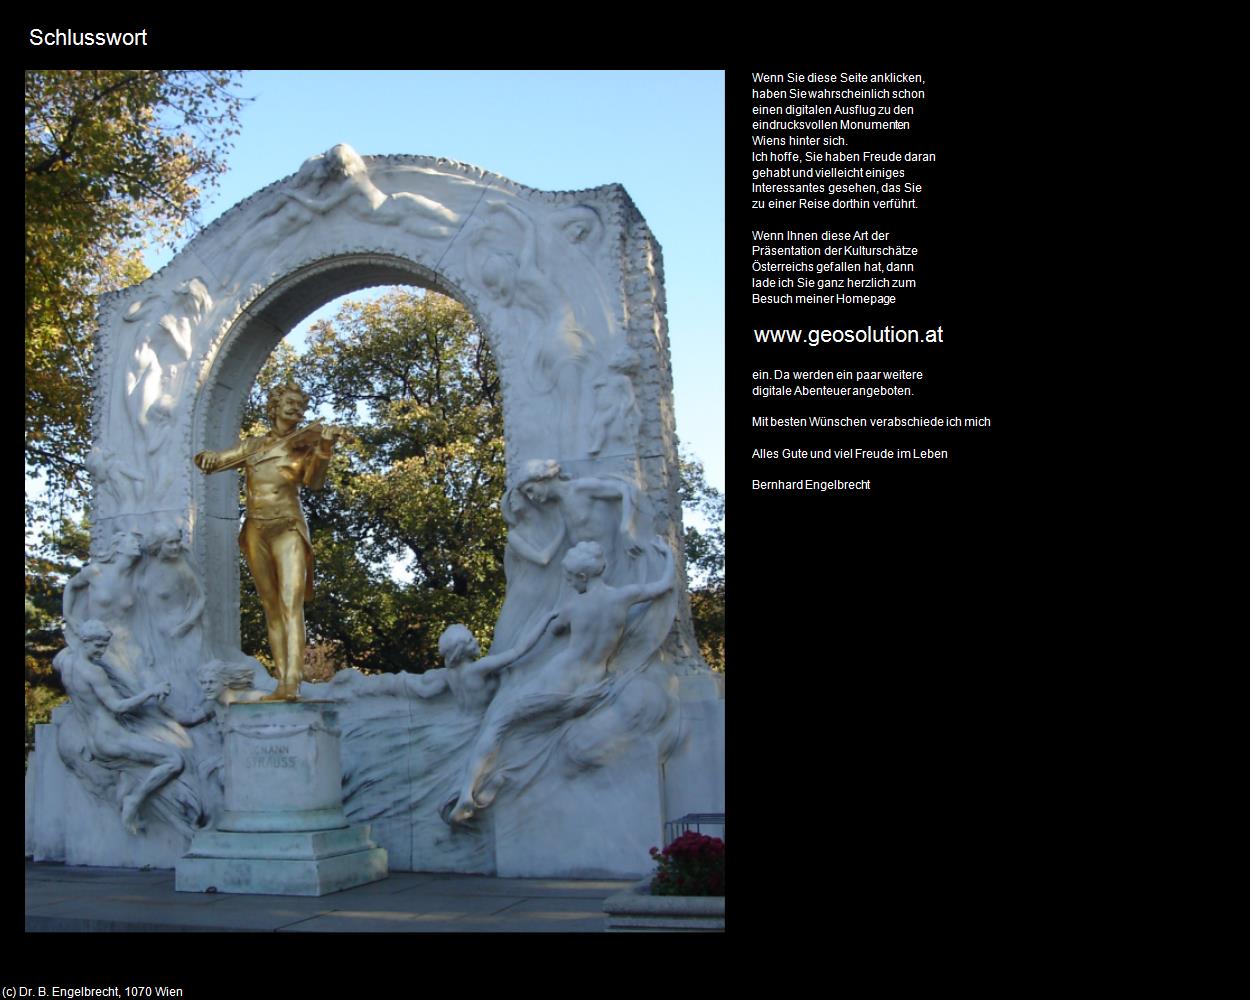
{"type": "Point", "coordinates": [674, 828]}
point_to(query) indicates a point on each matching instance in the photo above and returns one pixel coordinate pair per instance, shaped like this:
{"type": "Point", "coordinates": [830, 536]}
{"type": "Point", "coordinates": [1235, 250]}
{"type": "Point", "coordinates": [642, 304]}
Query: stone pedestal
{"type": "Point", "coordinates": [283, 831]}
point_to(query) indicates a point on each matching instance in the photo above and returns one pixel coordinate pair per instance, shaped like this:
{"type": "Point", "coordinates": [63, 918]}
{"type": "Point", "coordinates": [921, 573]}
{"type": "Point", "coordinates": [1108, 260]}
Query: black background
{"type": "Point", "coordinates": [920, 546]}
{"type": "Point", "coordinates": [873, 631]}
{"type": "Point", "coordinates": [905, 580]}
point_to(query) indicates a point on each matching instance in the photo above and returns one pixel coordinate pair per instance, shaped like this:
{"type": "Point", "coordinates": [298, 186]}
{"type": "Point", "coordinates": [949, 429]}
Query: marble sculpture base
{"type": "Point", "coordinates": [283, 832]}
{"type": "Point", "coordinates": [281, 864]}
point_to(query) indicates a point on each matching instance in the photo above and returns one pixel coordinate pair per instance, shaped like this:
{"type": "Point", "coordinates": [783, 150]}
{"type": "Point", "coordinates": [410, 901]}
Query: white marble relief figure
{"type": "Point", "coordinates": [282, 219]}
{"type": "Point", "coordinates": [469, 680]}
{"type": "Point", "coordinates": [154, 380]}
{"type": "Point", "coordinates": [143, 750]}
{"type": "Point", "coordinates": [581, 226]}
{"type": "Point", "coordinates": [546, 513]}
{"type": "Point", "coordinates": [222, 684]}
{"type": "Point", "coordinates": [465, 673]}
{"type": "Point", "coordinates": [616, 419]}
{"type": "Point", "coordinates": [581, 520]}
{"type": "Point", "coordinates": [118, 485]}
{"type": "Point", "coordinates": [173, 600]}
{"type": "Point", "coordinates": [105, 589]}
{"type": "Point", "coordinates": [353, 188]}
{"type": "Point", "coordinates": [511, 269]}
{"type": "Point", "coordinates": [337, 177]}
{"type": "Point", "coordinates": [521, 259]}
{"type": "Point", "coordinates": [571, 680]}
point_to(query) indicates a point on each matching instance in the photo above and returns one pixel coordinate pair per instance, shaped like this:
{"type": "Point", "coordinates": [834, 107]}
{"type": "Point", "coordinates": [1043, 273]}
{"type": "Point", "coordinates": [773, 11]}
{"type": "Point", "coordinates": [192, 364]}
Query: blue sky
{"type": "Point", "coordinates": [659, 134]}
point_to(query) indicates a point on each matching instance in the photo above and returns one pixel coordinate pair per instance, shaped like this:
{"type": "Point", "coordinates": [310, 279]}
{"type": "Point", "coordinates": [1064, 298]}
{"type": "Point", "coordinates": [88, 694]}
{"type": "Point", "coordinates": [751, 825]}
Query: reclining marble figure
{"type": "Point", "coordinates": [144, 748]}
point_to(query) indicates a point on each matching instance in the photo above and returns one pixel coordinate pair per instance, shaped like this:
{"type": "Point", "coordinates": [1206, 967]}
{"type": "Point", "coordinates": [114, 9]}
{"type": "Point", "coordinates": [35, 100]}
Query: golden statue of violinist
{"type": "Point", "coordinates": [275, 536]}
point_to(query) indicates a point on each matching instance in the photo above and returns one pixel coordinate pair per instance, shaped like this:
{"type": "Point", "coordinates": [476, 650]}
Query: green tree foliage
{"type": "Point", "coordinates": [113, 159]}
{"type": "Point", "coordinates": [407, 532]}
{"type": "Point", "coordinates": [63, 553]}
{"type": "Point", "coordinates": [415, 487]}
{"type": "Point", "coordinates": [705, 560]}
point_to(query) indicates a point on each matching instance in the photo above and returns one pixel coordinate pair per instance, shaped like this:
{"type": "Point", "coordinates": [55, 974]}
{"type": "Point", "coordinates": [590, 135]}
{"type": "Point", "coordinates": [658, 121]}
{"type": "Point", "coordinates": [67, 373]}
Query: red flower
{"type": "Point", "coordinates": [692, 865]}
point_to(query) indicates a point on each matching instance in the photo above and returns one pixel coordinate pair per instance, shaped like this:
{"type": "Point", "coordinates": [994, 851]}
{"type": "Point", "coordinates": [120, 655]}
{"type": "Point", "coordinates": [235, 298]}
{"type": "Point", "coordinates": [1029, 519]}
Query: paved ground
{"type": "Point", "coordinates": [62, 898]}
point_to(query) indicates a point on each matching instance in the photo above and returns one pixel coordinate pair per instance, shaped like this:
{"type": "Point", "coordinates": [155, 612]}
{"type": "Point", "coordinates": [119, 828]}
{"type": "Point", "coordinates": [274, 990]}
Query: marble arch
{"type": "Point", "coordinates": [569, 289]}
{"type": "Point", "coordinates": [562, 283]}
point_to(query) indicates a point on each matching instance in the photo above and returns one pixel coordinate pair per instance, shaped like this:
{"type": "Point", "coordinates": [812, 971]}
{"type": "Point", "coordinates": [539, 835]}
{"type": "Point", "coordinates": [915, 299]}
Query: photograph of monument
{"type": "Point", "coordinates": [593, 721]}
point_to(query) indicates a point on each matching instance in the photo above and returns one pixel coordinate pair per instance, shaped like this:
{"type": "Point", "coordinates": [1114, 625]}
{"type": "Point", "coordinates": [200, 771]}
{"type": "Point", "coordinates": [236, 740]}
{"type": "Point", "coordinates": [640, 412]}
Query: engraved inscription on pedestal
{"type": "Point", "coordinates": [283, 770]}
